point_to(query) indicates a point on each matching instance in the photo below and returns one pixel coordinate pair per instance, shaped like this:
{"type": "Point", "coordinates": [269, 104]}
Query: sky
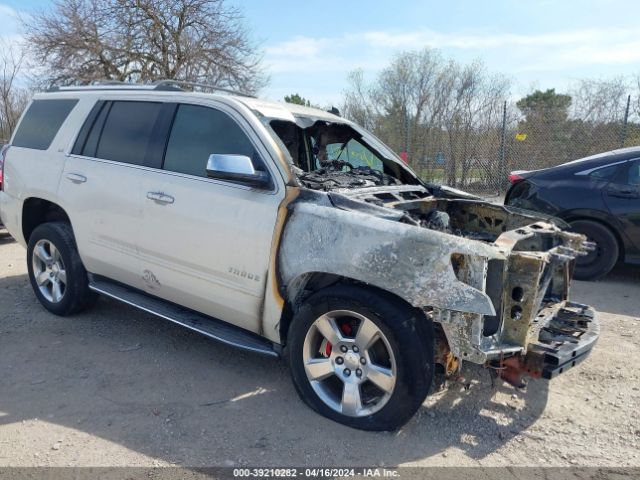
{"type": "Point", "coordinates": [310, 47]}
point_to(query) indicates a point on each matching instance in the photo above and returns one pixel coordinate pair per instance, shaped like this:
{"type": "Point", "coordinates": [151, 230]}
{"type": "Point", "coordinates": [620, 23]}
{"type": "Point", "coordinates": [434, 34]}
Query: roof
{"type": "Point", "coordinates": [621, 153]}
{"type": "Point", "coordinates": [270, 109]}
{"type": "Point", "coordinates": [287, 111]}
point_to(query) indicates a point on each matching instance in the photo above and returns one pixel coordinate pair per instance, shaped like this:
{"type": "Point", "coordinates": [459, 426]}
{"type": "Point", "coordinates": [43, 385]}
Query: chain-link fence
{"type": "Point", "coordinates": [478, 157]}
{"type": "Point", "coordinates": [476, 151]}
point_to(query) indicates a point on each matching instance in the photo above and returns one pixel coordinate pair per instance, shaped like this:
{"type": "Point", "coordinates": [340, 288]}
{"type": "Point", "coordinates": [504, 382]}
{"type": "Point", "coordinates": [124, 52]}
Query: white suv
{"type": "Point", "coordinates": [287, 230]}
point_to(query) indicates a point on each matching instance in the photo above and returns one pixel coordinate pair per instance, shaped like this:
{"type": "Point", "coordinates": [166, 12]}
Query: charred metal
{"type": "Point", "coordinates": [494, 279]}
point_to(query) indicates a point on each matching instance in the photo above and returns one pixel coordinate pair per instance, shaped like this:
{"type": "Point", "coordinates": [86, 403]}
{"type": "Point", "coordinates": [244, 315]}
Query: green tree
{"type": "Point", "coordinates": [546, 107]}
{"type": "Point", "coordinates": [547, 127]}
{"type": "Point", "coordinates": [297, 99]}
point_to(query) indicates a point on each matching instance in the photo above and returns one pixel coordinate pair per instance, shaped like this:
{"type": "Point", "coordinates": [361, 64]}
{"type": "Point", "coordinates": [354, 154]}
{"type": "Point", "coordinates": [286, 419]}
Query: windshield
{"type": "Point", "coordinates": [337, 155]}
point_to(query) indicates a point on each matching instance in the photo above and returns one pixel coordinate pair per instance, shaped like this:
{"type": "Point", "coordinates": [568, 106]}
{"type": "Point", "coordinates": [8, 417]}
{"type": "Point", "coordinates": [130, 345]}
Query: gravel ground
{"type": "Point", "coordinates": [115, 387]}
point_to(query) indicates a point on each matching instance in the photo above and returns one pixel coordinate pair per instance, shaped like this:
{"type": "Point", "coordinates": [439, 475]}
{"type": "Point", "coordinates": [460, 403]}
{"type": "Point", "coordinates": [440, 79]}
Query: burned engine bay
{"type": "Point", "coordinates": [471, 219]}
{"type": "Point", "coordinates": [334, 177]}
{"type": "Point", "coordinates": [357, 173]}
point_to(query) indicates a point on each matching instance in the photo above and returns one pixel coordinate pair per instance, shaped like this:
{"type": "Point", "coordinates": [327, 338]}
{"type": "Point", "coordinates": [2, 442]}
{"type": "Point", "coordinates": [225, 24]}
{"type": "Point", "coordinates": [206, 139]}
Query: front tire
{"type": "Point", "coordinates": [599, 262]}
{"type": "Point", "coordinates": [57, 275]}
{"type": "Point", "coordinates": [361, 357]}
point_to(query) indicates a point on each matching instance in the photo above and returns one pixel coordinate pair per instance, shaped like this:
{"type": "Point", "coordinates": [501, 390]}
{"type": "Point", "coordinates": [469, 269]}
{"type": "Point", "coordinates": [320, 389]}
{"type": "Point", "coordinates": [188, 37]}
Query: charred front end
{"type": "Point", "coordinates": [535, 331]}
{"type": "Point", "coordinates": [495, 280]}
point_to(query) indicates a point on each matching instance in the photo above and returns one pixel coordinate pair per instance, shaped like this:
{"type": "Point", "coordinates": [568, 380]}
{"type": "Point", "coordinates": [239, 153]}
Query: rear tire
{"type": "Point", "coordinates": [390, 362]}
{"type": "Point", "coordinates": [600, 262]}
{"type": "Point", "coordinates": [57, 275]}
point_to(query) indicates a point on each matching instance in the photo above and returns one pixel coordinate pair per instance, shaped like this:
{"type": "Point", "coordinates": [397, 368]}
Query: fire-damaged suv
{"type": "Point", "coordinates": [287, 230]}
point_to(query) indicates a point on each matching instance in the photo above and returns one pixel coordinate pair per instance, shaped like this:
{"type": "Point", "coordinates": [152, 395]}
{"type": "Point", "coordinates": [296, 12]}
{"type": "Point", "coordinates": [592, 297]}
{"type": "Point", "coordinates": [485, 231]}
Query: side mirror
{"type": "Point", "coordinates": [236, 168]}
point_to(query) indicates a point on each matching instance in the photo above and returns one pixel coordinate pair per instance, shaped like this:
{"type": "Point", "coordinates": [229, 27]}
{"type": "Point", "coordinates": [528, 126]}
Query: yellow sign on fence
{"type": "Point", "coordinates": [521, 137]}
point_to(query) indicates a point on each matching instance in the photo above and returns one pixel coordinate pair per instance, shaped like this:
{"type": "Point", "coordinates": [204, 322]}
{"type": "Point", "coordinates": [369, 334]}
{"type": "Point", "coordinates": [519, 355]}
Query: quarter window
{"type": "Point", "coordinates": [198, 132]}
{"type": "Point", "coordinates": [41, 123]}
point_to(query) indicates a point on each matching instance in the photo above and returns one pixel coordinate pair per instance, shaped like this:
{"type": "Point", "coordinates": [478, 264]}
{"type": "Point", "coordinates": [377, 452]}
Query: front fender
{"type": "Point", "coordinates": [412, 262]}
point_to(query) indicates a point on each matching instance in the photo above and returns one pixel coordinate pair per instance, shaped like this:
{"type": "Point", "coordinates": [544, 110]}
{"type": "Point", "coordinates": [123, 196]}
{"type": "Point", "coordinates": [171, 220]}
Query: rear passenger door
{"type": "Point", "coordinates": [205, 243]}
{"type": "Point", "coordinates": [102, 185]}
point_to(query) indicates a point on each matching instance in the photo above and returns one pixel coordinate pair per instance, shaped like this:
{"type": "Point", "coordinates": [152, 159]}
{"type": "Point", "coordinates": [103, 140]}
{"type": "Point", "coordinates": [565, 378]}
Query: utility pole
{"type": "Point", "coordinates": [623, 132]}
{"type": "Point", "coordinates": [503, 140]}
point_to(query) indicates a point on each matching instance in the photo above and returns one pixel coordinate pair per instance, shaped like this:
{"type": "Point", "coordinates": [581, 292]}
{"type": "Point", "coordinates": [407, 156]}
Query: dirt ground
{"type": "Point", "coordinates": [115, 386]}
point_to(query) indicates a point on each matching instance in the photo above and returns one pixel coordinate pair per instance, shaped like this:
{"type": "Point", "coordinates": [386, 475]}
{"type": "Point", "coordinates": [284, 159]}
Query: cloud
{"type": "Point", "coordinates": [10, 21]}
{"type": "Point", "coordinates": [484, 40]}
{"type": "Point", "coordinates": [526, 52]}
{"type": "Point", "coordinates": [10, 27]}
{"type": "Point", "coordinates": [298, 47]}
{"type": "Point", "coordinates": [7, 11]}
{"type": "Point", "coordinates": [317, 55]}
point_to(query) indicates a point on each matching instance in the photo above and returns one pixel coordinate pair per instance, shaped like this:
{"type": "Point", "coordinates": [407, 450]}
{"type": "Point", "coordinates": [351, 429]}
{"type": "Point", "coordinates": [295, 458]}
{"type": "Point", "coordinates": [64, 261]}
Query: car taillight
{"type": "Point", "coordinates": [515, 178]}
{"type": "Point", "coordinates": [3, 155]}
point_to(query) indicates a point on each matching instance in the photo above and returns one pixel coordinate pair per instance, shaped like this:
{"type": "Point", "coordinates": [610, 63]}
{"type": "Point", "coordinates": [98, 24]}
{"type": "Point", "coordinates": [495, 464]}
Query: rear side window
{"type": "Point", "coordinates": [605, 173]}
{"type": "Point", "coordinates": [198, 132]}
{"type": "Point", "coordinates": [633, 174]}
{"type": "Point", "coordinates": [123, 133]}
{"type": "Point", "coordinates": [41, 123]}
{"type": "Point", "coordinates": [91, 145]}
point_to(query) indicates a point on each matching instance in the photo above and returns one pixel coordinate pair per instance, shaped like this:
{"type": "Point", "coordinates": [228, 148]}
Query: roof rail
{"type": "Point", "coordinates": [164, 84]}
{"type": "Point", "coordinates": [179, 83]}
{"type": "Point", "coordinates": [100, 84]}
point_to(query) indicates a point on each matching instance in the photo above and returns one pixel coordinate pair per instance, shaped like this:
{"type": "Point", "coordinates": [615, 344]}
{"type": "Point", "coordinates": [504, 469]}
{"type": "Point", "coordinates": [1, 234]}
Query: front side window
{"type": "Point", "coordinates": [41, 123]}
{"type": "Point", "coordinates": [126, 132]}
{"type": "Point", "coordinates": [199, 132]}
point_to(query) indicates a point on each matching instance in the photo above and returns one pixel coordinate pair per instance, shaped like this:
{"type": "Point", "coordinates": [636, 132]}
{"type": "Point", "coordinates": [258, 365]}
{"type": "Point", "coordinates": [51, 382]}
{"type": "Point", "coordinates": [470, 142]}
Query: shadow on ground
{"type": "Point", "coordinates": [5, 237]}
{"type": "Point", "coordinates": [170, 394]}
{"type": "Point", "coordinates": [616, 293]}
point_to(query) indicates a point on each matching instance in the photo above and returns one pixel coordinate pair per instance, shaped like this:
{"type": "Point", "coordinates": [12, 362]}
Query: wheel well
{"type": "Point", "coordinates": [37, 211]}
{"type": "Point", "coordinates": [309, 283]}
{"type": "Point", "coordinates": [621, 253]}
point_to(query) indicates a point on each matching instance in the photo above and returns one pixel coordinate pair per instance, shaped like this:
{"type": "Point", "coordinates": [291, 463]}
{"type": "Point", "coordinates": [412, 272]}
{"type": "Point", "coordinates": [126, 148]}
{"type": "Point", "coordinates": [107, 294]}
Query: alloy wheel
{"type": "Point", "coordinates": [49, 271]}
{"type": "Point", "coordinates": [349, 363]}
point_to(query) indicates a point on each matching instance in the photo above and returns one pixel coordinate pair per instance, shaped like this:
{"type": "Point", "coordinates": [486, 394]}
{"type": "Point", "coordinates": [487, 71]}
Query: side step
{"type": "Point", "coordinates": [209, 326]}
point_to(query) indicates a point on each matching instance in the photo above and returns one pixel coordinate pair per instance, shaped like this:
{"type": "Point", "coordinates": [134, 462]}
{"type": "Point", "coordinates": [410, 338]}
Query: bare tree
{"type": "Point", "coordinates": [600, 101]}
{"type": "Point", "coordinates": [144, 40]}
{"type": "Point", "coordinates": [13, 98]}
{"type": "Point", "coordinates": [355, 104]}
{"type": "Point", "coordinates": [445, 115]}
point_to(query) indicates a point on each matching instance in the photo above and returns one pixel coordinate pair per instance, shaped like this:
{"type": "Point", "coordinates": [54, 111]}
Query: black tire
{"type": "Point", "coordinates": [409, 334]}
{"type": "Point", "coordinates": [77, 296]}
{"type": "Point", "coordinates": [600, 262]}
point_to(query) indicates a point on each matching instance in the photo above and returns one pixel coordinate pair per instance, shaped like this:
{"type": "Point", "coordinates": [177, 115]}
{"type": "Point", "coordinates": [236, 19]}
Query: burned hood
{"type": "Point", "coordinates": [467, 216]}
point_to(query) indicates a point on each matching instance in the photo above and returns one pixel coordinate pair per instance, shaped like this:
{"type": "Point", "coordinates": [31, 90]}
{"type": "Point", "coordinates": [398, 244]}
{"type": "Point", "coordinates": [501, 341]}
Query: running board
{"type": "Point", "coordinates": [209, 326]}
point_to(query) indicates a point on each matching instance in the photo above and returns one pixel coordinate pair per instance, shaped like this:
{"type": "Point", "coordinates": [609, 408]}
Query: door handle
{"type": "Point", "coordinates": [160, 197]}
{"type": "Point", "coordinates": [624, 193]}
{"type": "Point", "coordinates": [76, 177]}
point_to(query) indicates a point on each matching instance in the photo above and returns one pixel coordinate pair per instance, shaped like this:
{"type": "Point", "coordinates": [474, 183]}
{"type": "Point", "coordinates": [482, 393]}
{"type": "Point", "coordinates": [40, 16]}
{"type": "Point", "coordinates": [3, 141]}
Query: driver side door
{"type": "Point", "coordinates": [622, 196]}
{"type": "Point", "coordinates": [206, 243]}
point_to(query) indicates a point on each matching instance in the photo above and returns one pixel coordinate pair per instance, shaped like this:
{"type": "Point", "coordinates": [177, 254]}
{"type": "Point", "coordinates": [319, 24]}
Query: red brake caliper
{"type": "Point", "coordinates": [346, 328]}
